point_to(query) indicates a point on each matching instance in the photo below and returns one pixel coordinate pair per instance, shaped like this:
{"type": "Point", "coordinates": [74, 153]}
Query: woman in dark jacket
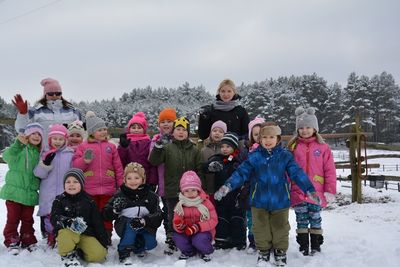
{"type": "Point", "coordinates": [227, 109]}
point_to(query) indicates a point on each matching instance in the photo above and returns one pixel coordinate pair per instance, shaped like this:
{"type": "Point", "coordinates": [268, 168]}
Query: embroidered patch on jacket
{"type": "Point", "coordinates": [108, 149]}
{"type": "Point", "coordinates": [317, 152]}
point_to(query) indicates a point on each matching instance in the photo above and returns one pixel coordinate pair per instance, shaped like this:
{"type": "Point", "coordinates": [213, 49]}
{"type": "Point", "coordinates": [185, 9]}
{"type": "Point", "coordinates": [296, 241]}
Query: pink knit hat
{"type": "Point", "coordinates": [50, 85]}
{"type": "Point", "coordinates": [190, 180]}
{"type": "Point", "coordinates": [138, 118]}
{"type": "Point", "coordinates": [57, 129]}
{"type": "Point", "coordinates": [219, 124]}
{"type": "Point", "coordinates": [253, 123]}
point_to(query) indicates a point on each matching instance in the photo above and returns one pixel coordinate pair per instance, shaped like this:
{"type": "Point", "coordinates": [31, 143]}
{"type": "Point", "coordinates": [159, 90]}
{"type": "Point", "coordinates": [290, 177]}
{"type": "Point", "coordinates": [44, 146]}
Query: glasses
{"type": "Point", "coordinates": [53, 93]}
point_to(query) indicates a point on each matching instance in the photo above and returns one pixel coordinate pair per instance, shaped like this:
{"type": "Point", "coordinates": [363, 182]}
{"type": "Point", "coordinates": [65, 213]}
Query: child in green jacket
{"type": "Point", "coordinates": [21, 188]}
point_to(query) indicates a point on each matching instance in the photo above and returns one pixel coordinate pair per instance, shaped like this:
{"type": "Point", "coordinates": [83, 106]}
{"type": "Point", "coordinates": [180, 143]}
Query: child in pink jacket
{"type": "Point", "coordinates": [315, 157]}
{"type": "Point", "coordinates": [195, 219]}
{"type": "Point", "coordinates": [99, 160]}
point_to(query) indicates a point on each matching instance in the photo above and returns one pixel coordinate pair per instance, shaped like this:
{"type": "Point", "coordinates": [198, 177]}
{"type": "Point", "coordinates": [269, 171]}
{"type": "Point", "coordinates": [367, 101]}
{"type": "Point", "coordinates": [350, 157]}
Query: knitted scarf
{"type": "Point", "coordinates": [137, 137]}
{"type": "Point", "coordinates": [192, 202]}
{"type": "Point", "coordinates": [225, 106]}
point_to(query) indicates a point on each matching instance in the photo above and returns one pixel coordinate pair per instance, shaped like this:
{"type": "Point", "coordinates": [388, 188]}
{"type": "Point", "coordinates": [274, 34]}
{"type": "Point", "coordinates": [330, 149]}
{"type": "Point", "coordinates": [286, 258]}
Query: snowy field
{"type": "Point", "coordinates": [355, 234]}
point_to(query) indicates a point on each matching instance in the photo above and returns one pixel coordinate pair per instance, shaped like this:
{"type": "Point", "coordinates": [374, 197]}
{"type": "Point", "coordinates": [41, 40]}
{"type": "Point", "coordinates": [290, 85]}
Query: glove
{"type": "Point", "coordinates": [222, 191]}
{"type": "Point", "coordinates": [124, 141]}
{"type": "Point", "coordinates": [20, 104]}
{"type": "Point", "coordinates": [329, 197]}
{"type": "Point", "coordinates": [215, 166]}
{"type": "Point", "coordinates": [314, 197]}
{"type": "Point", "coordinates": [179, 224]}
{"type": "Point", "coordinates": [49, 158]}
{"type": "Point", "coordinates": [137, 223]}
{"type": "Point", "coordinates": [78, 225]}
{"type": "Point", "coordinates": [64, 221]}
{"type": "Point", "coordinates": [164, 139]}
{"type": "Point", "coordinates": [119, 204]}
{"type": "Point", "coordinates": [88, 154]}
{"type": "Point", "coordinates": [192, 229]}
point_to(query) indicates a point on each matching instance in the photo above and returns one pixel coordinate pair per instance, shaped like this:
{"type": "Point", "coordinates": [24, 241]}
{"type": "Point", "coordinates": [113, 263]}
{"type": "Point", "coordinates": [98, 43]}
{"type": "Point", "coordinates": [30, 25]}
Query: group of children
{"type": "Point", "coordinates": [212, 195]}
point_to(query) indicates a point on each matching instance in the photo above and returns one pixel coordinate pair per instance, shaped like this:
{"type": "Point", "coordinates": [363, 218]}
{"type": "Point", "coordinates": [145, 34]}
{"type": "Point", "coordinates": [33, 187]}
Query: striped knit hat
{"type": "Point", "coordinates": [231, 139]}
{"type": "Point", "coordinates": [78, 174]}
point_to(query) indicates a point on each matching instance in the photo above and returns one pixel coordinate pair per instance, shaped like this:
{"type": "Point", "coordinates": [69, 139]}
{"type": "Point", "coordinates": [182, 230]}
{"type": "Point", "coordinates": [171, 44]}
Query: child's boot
{"type": "Point", "coordinates": [316, 240]}
{"type": "Point", "coordinates": [70, 260]}
{"type": "Point", "coordinates": [302, 239]}
{"type": "Point", "coordinates": [263, 258]}
{"type": "Point", "coordinates": [124, 257]}
{"type": "Point", "coordinates": [280, 257]}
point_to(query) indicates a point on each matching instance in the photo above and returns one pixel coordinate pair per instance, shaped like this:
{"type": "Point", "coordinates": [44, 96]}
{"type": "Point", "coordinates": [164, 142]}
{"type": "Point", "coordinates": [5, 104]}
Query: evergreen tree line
{"type": "Point", "coordinates": [376, 100]}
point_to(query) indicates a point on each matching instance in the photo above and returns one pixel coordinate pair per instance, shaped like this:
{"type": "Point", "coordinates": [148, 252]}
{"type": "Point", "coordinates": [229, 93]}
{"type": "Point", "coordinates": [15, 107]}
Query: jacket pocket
{"type": "Point", "coordinates": [319, 179]}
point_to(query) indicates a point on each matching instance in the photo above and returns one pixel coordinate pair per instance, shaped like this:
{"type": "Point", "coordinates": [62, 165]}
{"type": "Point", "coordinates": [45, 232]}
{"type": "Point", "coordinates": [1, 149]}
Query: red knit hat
{"type": "Point", "coordinates": [167, 114]}
{"type": "Point", "coordinates": [190, 180]}
{"type": "Point", "coordinates": [140, 119]}
{"type": "Point", "coordinates": [50, 85]}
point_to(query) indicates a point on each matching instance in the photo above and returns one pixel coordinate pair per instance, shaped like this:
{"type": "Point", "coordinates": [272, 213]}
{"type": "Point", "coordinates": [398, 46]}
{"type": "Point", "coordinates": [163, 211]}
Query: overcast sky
{"type": "Point", "coordinates": [101, 49]}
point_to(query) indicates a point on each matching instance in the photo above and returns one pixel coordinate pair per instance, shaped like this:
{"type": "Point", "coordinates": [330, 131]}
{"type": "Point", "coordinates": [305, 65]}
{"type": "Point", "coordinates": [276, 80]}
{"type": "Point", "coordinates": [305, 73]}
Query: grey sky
{"type": "Point", "coordinates": [100, 49]}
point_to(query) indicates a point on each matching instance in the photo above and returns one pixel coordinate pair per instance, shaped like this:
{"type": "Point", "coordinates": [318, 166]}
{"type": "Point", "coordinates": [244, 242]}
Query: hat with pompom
{"type": "Point", "coordinates": [76, 127]}
{"type": "Point", "coordinates": [190, 180]}
{"type": "Point", "coordinates": [93, 123]}
{"type": "Point", "coordinates": [140, 119]}
{"type": "Point", "coordinates": [306, 118]}
{"type": "Point", "coordinates": [50, 85]}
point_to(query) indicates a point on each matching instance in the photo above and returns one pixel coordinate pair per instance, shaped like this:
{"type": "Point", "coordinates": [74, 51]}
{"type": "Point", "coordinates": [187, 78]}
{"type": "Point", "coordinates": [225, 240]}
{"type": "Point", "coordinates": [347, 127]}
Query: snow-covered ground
{"type": "Point", "coordinates": [355, 234]}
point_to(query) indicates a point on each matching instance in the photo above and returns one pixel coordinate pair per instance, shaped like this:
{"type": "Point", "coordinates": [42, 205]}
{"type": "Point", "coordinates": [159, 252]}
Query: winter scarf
{"type": "Point", "coordinates": [225, 106]}
{"type": "Point", "coordinates": [192, 202]}
{"type": "Point", "coordinates": [137, 137]}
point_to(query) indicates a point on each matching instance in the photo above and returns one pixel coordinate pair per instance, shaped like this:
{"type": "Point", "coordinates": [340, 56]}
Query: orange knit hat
{"type": "Point", "coordinates": [167, 114]}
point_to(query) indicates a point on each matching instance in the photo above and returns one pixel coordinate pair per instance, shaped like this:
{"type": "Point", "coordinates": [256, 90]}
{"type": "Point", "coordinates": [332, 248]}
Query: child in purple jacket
{"type": "Point", "coordinates": [134, 146]}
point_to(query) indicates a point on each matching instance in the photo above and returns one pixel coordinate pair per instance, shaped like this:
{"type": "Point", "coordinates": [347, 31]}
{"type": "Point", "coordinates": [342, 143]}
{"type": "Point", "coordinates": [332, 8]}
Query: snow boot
{"type": "Point", "coordinates": [316, 240]}
{"type": "Point", "coordinates": [303, 240]}
{"type": "Point", "coordinates": [13, 249]}
{"type": "Point", "coordinates": [280, 257]}
{"type": "Point", "coordinates": [171, 248]}
{"type": "Point", "coordinates": [70, 260]}
{"type": "Point", "coordinates": [206, 257]}
{"type": "Point", "coordinates": [263, 258]}
{"type": "Point", "coordinates": [124, 256]}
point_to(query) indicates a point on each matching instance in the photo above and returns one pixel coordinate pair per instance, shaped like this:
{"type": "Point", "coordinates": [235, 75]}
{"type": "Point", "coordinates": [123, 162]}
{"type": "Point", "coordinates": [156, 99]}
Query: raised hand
{"type": "Point", "coordinates": [20, 104]}
{"type": "Point", "coordinates": [49, 158]}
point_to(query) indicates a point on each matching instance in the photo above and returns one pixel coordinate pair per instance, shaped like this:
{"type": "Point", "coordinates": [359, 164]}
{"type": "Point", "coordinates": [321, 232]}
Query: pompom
{"type": "Point", "coordinates": [90, 114]}
{"type": "Point", "coordinates": [140, 115]}
{"type": "Point", "coordinates": [310, 111]}
{"type": "Point", "coordinates": [299, 111]}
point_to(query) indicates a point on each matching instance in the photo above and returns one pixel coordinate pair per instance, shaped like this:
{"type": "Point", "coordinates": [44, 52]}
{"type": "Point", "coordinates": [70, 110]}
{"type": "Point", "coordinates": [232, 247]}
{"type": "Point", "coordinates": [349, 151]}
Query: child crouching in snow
{"type": "Point", "coordinates": [195, 219]}
{"type": "Point", "coordinates": [77, 223]}
{"type": "Point", "coordinates": [135, 207]}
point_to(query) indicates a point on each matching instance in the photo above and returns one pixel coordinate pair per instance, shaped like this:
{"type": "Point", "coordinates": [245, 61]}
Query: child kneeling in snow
{"type": "Point", "coordinates": [135, 207]}
{"type": "Point", "coordinates": [77, 222]}
{"type": "Point", "coordinates": [195, 219]}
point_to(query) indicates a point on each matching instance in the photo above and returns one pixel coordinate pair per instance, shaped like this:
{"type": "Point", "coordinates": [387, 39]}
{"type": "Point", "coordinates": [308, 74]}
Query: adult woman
{"type": "Point", "coordinates": [227, 109]}
{"type": "Point", "coordinates": [52, 108]}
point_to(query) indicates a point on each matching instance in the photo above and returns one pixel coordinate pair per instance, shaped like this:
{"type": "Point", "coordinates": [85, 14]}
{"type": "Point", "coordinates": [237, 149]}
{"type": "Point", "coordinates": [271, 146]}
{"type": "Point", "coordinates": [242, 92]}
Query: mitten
{"type": "Point", "coordinates": [314, 197]}
{"type": "Point", "coordinates": [20, 104]}
{"type": "Point", "coordinates": [165, 139]}
{"type": "Point", "coordinates": [192, 229]}
{"type": "Point", "coordinates": [78, 225]}
{"type": "Point", "coordinates": [49, 158]}
{"type": "Point", "coordinates": [119, 204]}
{"type": "Point", "coordinates": [215, 166]}
{"type": "Point", "coordinates": [329, 197]}
{"type": "Point", "coordinates": [137, 223]}
{"type": "Point", "coordinates": [179, 224]}
{"type": "Point", "coordinates": [222, 192]}
{"type": "Point", "coordinates": [64, 221]}
{"type": "Point", "coordinates": [88, 154]}
{"type": "Point", "coordinates": [124, 141]}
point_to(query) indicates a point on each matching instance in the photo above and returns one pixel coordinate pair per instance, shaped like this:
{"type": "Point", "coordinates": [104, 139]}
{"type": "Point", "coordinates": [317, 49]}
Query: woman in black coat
{"type": "Point", "coordinates": [227, 109]}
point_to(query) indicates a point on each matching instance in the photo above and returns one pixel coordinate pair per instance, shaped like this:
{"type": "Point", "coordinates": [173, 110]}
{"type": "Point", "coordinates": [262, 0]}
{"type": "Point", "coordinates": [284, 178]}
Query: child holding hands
{"type": "Point", "coordinates": [195, 219]}
{"type": "Point", "coordinates": [77, 223]}
{"type": "Point", "coordinates": [21, 188]}
{"type": "Point", "coordinates": [266, 168]}
{"type": "Point", "coordinates": [316, 159]}
{"type": "Point", "coordinates": [135, 207]}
